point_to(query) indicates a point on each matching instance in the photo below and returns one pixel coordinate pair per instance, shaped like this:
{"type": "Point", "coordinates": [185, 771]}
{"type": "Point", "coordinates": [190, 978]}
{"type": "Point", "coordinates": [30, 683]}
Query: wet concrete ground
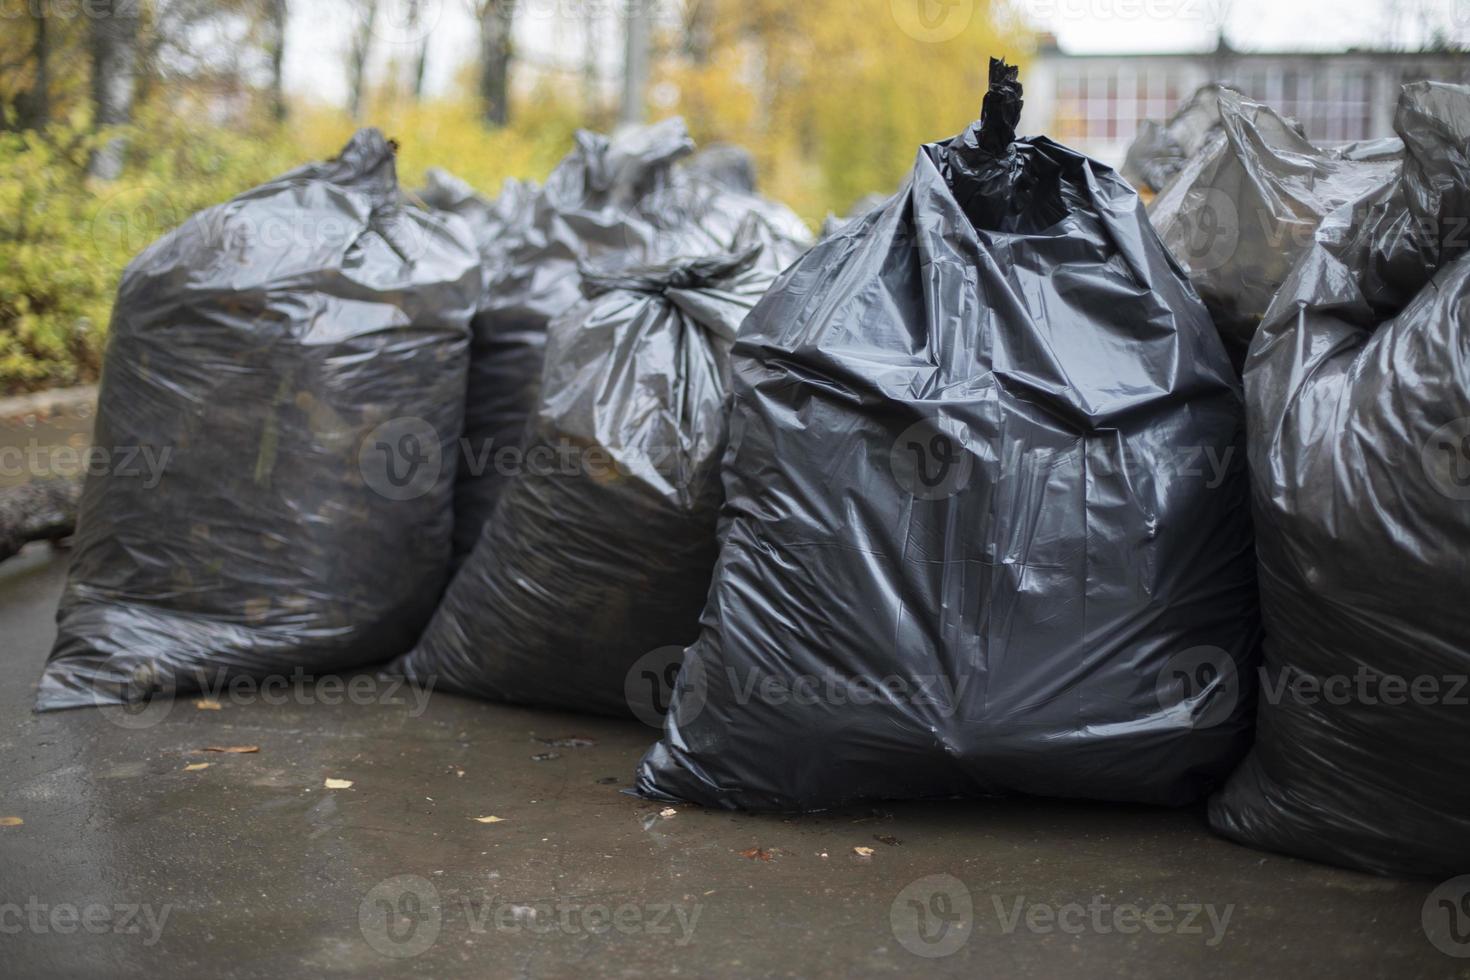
{"type": "Point", "coordinates": [130, 863]}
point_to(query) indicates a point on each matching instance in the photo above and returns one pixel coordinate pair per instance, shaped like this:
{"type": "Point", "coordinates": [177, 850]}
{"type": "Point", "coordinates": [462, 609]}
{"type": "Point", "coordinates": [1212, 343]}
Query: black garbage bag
{"type": "Point", "coordinates": [1161, 150]}
{"type": "Point", "coordinates": [1242, 209]}
{"type": "Point", "coordinates": [727, 164]}
{"type": "Point", "coordinates": [490, 222]}
{"type": "Point", "coordinates": [584, 212]}
{"type": "Point", "coordinates": [618, 199]}
{"type": "Point", "coordinates": [865, 205]}
{"type": "Point", "coordinates": [601, 550]}
{"type": "Point", "coordinates": [281, 398]}
{"type": "Point", "coordinates": [971, 542]}
{"type": "Point", "coordinates": [1358, 395]}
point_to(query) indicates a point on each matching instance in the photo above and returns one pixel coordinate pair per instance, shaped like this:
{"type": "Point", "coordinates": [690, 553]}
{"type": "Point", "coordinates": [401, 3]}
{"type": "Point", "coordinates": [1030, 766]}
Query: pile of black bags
{"type": "Point", "coordinates": [958, 502]}
{"type": "Point", "coordinates": [601, 548]}
{"type": "Point", "coordinates": [1358, 395]}
{"type": "Point", "coordinates": [612, 200]}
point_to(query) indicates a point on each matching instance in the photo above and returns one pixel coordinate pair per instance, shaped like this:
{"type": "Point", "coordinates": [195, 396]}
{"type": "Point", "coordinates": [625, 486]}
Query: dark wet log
{"type": "Point", "coordinates": [43, 510]}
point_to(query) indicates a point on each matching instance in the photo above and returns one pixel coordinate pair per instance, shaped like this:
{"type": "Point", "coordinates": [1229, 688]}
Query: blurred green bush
{"type": "Point", "coordinates": [65, 240]}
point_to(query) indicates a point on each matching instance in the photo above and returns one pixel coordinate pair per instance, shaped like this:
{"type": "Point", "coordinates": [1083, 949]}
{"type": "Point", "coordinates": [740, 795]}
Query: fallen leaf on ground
{"type": "Point", "coordinates": [756, 854]}
{"type": "Point", "coordinates": [863, 852]}
{"type": "Point", "coordinates": [208, 704]}
{"type": "Point", "coordinates": [489, 819]}
{"type": "Point", "coordinates": [11, 821]}
{"type": "Point", "coordinates": [196, 766]}
{"type": "Point", "coordinates": [668, 811]}
{"type": "Point", "coordinates": [609, 780]}
{"type": "Point", "coordinates": [570, 742]}
{"type": "Point", "coordinates": [339, 784]}
{"type": "Point", "coordinates": [545, 756]}
{"type": "Point", "coordinates": [888, 839]}
{"type": "Point", "coordinates": [231, 749]}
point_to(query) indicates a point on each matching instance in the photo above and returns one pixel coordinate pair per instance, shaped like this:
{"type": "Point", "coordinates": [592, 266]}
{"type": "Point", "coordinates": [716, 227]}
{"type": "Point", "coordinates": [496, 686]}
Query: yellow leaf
{"type": "Point", "coordinates": [863, 852]}
{"type": "Point", "coordinates": [11, 821]}
{"type": "Point", "coordinates": [491, 819]}
{"type": "Point", "coordinates": [339, 784]}
{"type": "Point", "coordinates": [207, 704]}
{"type": "Point", "coordinates": [196, 766]}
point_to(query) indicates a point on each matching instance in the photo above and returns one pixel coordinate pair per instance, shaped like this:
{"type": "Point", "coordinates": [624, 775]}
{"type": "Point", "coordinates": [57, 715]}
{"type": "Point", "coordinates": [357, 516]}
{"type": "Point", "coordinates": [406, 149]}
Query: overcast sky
{"type": "Point", "coordinates": [550, 32]}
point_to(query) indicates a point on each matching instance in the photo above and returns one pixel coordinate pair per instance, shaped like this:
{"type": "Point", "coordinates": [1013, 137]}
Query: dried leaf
{"type": "Point", "coordinates": [231, 749]}
{"type": "Point", "coordinates": [667, 812]}
{"type": "Point", "coordinates": [888, 839]}
{"type": "Point", "coordinates": [208, 704]}
{"type": "Point", "coordinates": [757, 854]}
{"type": "Point", "coordinates": [490, 819]}
{"type": "Point", "coordinates": [11, 821]}
{"type": "Point", "coordinates": [863, 852]}
{"type": "Point", "coordinates": [339, 784]}
{"type": "Point", "coordinates": [196, 766]}
{"type": "Point", "coordinates": [570, 742]}
{"type": "Point", "coordinates": [545, 756]}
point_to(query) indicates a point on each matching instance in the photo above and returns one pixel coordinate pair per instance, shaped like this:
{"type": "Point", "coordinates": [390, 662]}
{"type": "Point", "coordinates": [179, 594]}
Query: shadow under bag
{"type": "Point", "coordinates": [986, 526]}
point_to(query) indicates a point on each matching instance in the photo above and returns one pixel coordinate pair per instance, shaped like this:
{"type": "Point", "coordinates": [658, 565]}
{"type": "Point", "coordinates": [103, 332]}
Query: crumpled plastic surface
{"type": "Point", "coordinates": [1246, 204]}
{"type": "Point", "coordinates": [489, 221]}
{"type": "Point", "coordinates": [612, 199]}
{"type": "Point", "coordinates": [865, 205]}
{"type": "Point", "coordinates": [286, 356]}
{"type": "Point", "coordinates": [1161, 150]}
{"type": "Point", "coordinates": [971, 542]}
{"type": "Point", "coordinates": [602, 549]}
{"type": "Point", "coordinates": [1358, 391]}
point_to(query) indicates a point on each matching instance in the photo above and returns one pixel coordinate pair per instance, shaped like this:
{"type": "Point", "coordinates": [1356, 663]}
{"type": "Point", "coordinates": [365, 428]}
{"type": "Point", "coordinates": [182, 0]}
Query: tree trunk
{"type": "Point", "coordinates": [635, 60]}
{"type": "Point", "coordinates": [276, 15]}
{"type": "Point", "coordinates": [421, 57]}
{"type": "Point", "coordinates": [497, 17]}
{"type": "Point", "coordinates": [699, 31]}
{"type": "Point", "coordinates": [114, 42]}
{"type": "Point", "coordinates": [357, 56]}
{"type": "Point", "coordinates": [43, 510]}
{"type": "Point", "coordinates": [35, 105]}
